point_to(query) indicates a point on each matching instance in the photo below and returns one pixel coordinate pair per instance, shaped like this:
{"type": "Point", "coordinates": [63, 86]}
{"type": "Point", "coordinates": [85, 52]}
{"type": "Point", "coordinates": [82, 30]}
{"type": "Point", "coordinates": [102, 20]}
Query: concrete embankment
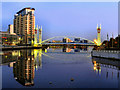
{"type": "Point", "coordinates": [110, 54]}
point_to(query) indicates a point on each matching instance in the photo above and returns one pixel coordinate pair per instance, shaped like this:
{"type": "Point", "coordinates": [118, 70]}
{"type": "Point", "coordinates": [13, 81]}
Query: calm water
{"type": "Point", "coordinates": [58, 67]}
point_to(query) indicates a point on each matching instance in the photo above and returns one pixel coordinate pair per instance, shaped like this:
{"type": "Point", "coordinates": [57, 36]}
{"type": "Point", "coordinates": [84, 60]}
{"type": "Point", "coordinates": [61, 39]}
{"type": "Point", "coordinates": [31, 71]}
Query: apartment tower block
{"type": "Point", "coordinates": [24, 25]}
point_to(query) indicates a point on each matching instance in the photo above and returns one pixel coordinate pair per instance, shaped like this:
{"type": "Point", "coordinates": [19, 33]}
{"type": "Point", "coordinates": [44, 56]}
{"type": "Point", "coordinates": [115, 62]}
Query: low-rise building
{"type": "Point", "coordinates": [11, 29]}
{"type": "Point", "coordinates": [8, 39]}
{"type": "Point", "coordinates": [66, 40]}
{"type": "Point", "coordinates": [77, 40]}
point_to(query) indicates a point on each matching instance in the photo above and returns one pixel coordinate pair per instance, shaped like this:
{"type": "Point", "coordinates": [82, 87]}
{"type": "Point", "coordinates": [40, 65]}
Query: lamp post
{"type": "Point", "coordinates": [107, 40]}
{"type": "Point", "coordinates": [112, 40]}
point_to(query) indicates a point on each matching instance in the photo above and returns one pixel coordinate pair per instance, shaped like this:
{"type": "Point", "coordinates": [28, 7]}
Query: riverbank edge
{"type": "Point", "coordinates": [22, 47]}
{"type": "Point", "coordinates": [105, 57]}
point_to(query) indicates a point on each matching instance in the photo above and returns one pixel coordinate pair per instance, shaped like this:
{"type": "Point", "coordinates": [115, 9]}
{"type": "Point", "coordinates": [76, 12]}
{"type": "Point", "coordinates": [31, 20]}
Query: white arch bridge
{"type": "Point", "coordinates": [44, 42]}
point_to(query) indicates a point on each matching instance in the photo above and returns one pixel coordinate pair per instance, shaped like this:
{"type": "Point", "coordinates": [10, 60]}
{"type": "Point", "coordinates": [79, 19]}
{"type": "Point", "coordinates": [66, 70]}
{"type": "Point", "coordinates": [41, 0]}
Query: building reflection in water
{"type": "Point", "coordinates": [26, 62]}
{"type": "Point", "coordinates": [97, 67]}
{"type": "Point", "coordinates": [9, 56]}
{"type": "Point", "coordinates": [24, 68]}
{"type": "Point", "coordinates": [108, 64]}
{"type": "Point", "coordinates": [38, 58]}
{"type": "Point", "coordinates": [66, 49]}
{"type": "Point", "coordinates": [75, 48]}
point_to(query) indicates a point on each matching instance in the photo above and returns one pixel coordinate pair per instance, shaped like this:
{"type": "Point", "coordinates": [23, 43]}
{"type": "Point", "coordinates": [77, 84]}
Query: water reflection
{"type": "Point", "coordinates": [66, 49]}
{"type": "Point", "coordinates": [23, 68]}
{"type": "Point", "coordinates": [97, 67]}
{"type": "Point", "coordinates": [26, 62]}
{"type": "Point", "coordinates": [76, 48]}
{"type": "Point", "coordinates": [107, 64]}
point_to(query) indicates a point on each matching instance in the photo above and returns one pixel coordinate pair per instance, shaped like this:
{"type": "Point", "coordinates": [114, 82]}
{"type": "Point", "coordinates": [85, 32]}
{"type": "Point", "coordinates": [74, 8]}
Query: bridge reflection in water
{"type": "Point", "coordinates": [26, 62]}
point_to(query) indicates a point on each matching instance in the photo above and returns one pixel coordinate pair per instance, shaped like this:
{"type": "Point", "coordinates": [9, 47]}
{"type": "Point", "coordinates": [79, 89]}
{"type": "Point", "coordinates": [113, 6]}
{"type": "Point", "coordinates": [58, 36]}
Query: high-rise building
{"type": "Point", "coordinates": [24, 24]}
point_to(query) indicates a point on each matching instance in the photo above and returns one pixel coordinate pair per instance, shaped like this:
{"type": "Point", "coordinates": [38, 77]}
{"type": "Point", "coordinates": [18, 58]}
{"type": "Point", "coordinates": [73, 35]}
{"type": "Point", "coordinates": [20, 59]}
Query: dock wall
{"type": "Point", "coordinates": [111, 54]}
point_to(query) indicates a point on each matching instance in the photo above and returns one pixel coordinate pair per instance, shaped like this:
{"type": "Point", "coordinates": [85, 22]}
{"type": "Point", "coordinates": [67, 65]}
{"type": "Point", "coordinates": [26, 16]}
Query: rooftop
{"type": "Point", "coordinates": [24, 9]}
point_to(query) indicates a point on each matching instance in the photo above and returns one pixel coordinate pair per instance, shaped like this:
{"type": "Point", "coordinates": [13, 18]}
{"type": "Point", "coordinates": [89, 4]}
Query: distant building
{"type": "Point", "coordinates": [85, 41]}
{"type": "Point", "coordinates": [77, 40]}
{"type": "Point", "coordinates": [24, 24]}
{"type": "Point", "coordinates": [117, 41]}
{"type": "Point", "coordinates": [11, 29]}
{"type": "Point", "coordinates": [66, 40]}
{"type": "Point", "coordinates": [81, 41]}
{"type": "Point", "coordinates": [56, 41]}
{"type": "Point", "coordinates": [112, 43]}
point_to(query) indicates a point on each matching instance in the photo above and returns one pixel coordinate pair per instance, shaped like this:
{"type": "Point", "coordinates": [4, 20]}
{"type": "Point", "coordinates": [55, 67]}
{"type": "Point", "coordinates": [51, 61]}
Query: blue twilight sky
{"type": "Point", "coordinates": [68, 18]}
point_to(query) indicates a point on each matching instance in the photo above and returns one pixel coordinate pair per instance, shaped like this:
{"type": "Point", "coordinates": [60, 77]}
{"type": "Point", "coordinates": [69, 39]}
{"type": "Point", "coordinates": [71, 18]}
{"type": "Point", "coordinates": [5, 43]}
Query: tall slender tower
{"type": "Point", "coordinates": [40, 35]}
{"type": "Point", "coordinates": [98, 35]}
{"type": "Point", "coordinates": [35, 35]}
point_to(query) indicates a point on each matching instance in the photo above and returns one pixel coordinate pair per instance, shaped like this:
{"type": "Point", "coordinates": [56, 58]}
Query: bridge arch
{"type": "Point", "coordinates": [66, 37]}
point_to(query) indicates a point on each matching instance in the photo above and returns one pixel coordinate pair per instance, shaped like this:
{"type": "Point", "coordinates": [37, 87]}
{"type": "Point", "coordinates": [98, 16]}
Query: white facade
{"type": "Point", "coordinates": [11, 29]}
